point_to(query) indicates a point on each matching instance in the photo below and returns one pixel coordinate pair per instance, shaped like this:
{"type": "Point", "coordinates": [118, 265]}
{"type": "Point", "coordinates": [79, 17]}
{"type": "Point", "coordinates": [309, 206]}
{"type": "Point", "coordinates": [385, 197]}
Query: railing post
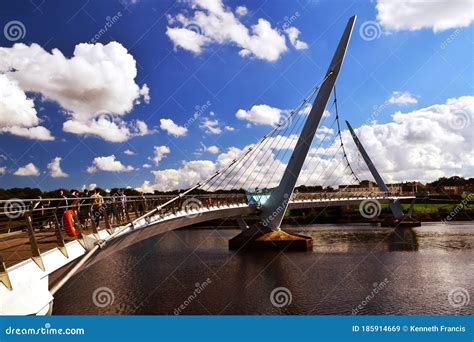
{"type": "Point", "coordinates": [4, 278]}
{"type": "Point", "coordinates": [59, 237]}
{"type": "Point", "coordinates": [125, 207]}
{"type": "Point", "coordinates": [107, 222]}
{"type": "Point", "coordinates": [35, 252]}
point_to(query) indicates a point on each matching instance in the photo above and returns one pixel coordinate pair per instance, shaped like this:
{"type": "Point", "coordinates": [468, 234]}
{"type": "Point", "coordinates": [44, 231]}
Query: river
{"type": "Point", "coordinates": [357, 269]}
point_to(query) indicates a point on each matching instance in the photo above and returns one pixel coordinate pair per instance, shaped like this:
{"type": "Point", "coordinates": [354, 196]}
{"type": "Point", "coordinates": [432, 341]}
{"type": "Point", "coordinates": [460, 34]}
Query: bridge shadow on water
{"type": "Point", "coordinates": [352, 270]}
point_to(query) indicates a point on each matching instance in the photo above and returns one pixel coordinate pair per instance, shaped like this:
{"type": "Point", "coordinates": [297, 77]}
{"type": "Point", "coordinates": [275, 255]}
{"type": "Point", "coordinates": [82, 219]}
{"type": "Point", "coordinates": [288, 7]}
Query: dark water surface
{"type": "Point", "coordinates": [352, 270]}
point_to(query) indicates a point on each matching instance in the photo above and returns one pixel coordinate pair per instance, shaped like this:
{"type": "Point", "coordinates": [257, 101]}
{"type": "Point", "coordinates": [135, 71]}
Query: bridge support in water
{"type": "Point", "coordinates": [267, 234]}
{"type": "Point", "coordinates": [399, 219]}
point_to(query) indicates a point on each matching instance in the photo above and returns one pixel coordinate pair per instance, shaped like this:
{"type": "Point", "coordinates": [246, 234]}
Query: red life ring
{"type": "Point", "coordinates": [68, 223]}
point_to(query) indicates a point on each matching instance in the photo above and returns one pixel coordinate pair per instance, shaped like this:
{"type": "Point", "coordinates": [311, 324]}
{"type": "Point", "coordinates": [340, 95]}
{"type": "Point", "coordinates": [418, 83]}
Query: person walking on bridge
{"type": "Point", "coordinates": [97, 206]}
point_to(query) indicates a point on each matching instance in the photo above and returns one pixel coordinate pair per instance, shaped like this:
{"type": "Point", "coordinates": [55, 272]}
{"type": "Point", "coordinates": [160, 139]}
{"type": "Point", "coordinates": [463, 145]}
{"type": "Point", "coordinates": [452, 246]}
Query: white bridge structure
{"type": "Point", "coordinates": [37, 257]}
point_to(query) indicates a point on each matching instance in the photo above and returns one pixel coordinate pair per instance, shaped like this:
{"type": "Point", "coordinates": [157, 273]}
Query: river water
{"type": "Point", "coordinates": [358, 269]}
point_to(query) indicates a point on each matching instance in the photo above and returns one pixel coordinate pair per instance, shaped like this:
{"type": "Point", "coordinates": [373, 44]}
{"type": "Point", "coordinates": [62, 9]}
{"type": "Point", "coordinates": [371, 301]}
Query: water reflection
{"type": "Point", "coordinates": [155, 276]}
{"type": "Point", "coordinates": [402, 239]}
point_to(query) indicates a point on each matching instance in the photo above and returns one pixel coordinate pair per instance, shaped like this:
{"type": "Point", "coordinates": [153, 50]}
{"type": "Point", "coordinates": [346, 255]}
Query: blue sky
{"type": "Point", "coordinates": [417, 65]}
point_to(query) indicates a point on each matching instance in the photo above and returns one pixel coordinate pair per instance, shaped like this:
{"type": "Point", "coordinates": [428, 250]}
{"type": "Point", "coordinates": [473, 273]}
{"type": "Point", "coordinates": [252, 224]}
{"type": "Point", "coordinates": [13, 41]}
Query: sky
{"type": "Point", "coordinates": [158, 94]}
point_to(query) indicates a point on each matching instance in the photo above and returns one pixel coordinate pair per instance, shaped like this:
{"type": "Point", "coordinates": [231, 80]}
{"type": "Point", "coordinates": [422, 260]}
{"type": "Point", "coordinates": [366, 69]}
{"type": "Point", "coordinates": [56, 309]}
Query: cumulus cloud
{"type": "Point", "coordinates": [3, 170]}
{"type": "Point", "coordinates": [229, 128]}
{"type": "Point", "coordinates": [210, 126]}
{"type": "Point", "coordinates": [213, 149]}
{"type": "Point", "coordinates": [422, 145]}
{"type": "Point", "coordinates": [98, 80]}
{"type": "Point", "coordinates": [171, 128]}
{"type": "Point", "coordinates": [414, 15]}
{"type": "Point", "coordinates": [402, 98]}
{"type": "Point", "coordinates": [159, 152]}
{"type": "Point", "coordinates": [29, 169]}
{"type": "Point", "coordinates": [55, 170]}
{"type": "Point", "coordinates": [213, 23]}
{"type": "Point", "coordinates": [146, 166]}
{"type": "Point", "coordinates": [18, 115]}
{"type": "Point", "coordinates": [260, 114]}
{"type": "Point", "coordinates": [293, 34]}
{"type": "Point", "coordinates": [108, 163]}
{"type": "Point", "coordinates": [241, 10]}
{"type": "Point", "coordinates": [188, 175]}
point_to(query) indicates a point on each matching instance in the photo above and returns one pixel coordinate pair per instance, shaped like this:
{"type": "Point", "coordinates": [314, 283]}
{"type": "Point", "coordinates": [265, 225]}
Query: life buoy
{"type": "Point", "coordinates": [68, 223]}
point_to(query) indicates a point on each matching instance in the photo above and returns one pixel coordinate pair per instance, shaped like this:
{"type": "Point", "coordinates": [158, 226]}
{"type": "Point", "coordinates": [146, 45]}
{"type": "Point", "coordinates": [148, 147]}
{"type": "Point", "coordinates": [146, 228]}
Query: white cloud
{"type": "Point", "coordinates": [241, 10]}
{"type": "Point", "coordinates": [212, 149]}
{"type": "Point", "coordinates": [171, 128]}
{"type": "Point", "coordinates": [29, 169]}
{"type": "Point", "coordinates": [89, 187]}
{"type": "Point", "coordinates": [188, 175]}
{"type": "Point", "coordinates": [145, 93]}
{"type": "Point", "coordinates": [211, 126]}
{"type": "Point", "coordinates": [97, 79]}
{"type": "Point", "coordinates": [423, 144]}
{"type": "Point", "coordinates": [229, 128]}
{"type": "Point", "coordinates": [260, 114]}
{"type": "Point", "coordinates": [402, 98]}
{"type": "Point", "coordinates": [18, 115]}
{"type": "Point", "coordinates": [129, 152]}
{"type": "Point", "coordinates": [212, 23]}
{"type": "Point", "coordinates": [187, 39]}
{"type": "Point", "coordinates": [146, 166]}
{"type": "Point", "coordinates": [414, 15]}
{"type": "Point", "coordinates": [55, 170]}
{"type": "Point", "coordinates": [293, 34]}
{"type": "Point", "coordinates": [159, 152]}
{"type": "Point", "coordinates": [3, 170]}
{"type": "Point", "coordinates": [420, 145]}
{"type": "Point", "coordinates": [108, 163]}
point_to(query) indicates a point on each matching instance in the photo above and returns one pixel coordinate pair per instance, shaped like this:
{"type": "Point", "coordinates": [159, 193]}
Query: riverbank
{"type": "Point", "coordinates": [351, 214]}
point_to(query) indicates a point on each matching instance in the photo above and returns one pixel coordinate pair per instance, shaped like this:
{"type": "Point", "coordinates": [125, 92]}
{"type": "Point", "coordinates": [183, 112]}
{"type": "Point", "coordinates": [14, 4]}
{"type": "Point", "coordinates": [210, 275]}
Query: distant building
{"type": "Point", "coordinates": [404, 187]}
{"type": "Point", "coordinates": [364, 186]}
{"type": "Point", "coordinates": [369, 186]}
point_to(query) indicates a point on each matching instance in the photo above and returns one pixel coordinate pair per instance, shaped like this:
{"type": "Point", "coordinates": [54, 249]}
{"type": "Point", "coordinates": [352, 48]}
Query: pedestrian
{"type": "Point", "coordinates": [84, 208]}
{"type": "Point", "coordinates": [141, 204]}
{"type": "Point", "coordinates": [97, 207]}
